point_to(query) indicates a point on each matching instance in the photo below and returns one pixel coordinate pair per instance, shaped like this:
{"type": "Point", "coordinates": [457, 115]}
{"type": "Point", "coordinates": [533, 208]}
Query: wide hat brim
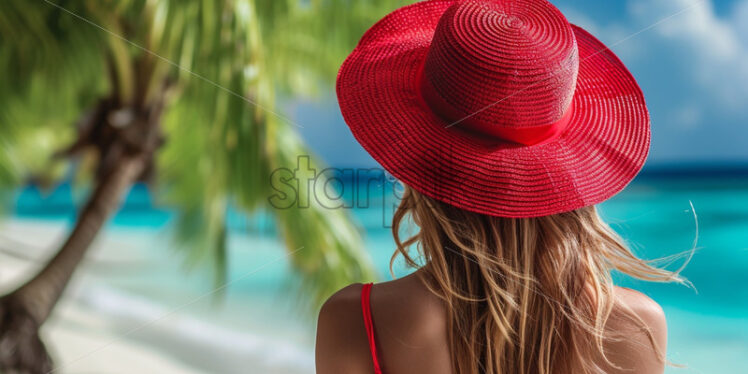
{"type": "Point", "coordinates": [600, 151]}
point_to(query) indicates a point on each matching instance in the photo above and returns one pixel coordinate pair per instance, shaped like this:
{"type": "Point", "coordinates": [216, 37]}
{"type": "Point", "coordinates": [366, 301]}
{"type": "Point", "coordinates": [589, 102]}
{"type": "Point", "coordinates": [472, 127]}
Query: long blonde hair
{"type": "Point", "coordinates": [526, 295]}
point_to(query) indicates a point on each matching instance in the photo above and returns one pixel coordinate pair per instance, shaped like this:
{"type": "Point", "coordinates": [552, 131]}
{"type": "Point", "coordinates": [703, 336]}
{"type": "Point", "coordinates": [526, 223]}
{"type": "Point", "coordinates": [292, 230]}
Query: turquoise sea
{"type": "Point", "coordinates": [258, 314]}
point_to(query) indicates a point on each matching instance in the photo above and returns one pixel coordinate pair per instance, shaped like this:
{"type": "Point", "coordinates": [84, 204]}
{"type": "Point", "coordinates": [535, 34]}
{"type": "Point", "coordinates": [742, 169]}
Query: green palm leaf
{"type": "Point", "coordinates": [222, 65]}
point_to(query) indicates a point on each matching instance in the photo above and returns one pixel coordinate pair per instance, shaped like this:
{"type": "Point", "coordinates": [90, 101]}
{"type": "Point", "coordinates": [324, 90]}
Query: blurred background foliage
{"type": "Point", "coordinates": [223, 67]}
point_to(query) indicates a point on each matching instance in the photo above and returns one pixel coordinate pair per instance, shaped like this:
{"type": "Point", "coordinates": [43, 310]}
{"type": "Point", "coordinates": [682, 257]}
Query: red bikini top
{"type": "Point", "coordinates": [369, 323]}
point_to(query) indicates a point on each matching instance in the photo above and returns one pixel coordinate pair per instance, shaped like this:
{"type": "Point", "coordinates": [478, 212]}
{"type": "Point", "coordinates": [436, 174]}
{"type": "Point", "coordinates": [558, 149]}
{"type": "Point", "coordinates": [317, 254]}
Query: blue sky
{"type": "Point", "coordinates": [692, 67]}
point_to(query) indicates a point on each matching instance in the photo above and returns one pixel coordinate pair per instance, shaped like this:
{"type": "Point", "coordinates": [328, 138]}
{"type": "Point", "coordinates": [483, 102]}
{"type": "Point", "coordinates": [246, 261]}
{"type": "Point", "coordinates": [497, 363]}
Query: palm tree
{"type": "Point", "coordinates": [110, 91]}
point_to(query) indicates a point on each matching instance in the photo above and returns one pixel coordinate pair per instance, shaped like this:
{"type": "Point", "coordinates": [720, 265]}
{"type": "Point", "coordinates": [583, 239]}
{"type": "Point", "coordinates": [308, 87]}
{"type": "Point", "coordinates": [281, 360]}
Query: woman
{"type": "Point", "coordinates": [507, 125]}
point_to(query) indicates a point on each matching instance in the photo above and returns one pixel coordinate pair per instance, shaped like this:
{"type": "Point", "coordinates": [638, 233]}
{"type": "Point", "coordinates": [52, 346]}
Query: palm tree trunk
{"type": "Point", "coordinates": [23, 311]}
{"type": "Point", "coordinates": [41, 293]}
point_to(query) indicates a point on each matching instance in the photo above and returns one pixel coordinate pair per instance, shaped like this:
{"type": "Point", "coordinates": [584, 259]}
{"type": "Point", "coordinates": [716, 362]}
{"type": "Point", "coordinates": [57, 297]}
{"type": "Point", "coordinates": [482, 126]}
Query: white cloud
{"type": "Point", "coordinates": [715, 48]}
{"type": "Point", "coordinates": [693, 65]}
{"type": "Point", "coordinates": [712, 50]}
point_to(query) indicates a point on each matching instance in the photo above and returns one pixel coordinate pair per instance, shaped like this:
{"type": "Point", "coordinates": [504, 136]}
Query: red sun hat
{"type": "Point", "coordinates": [497, 107]}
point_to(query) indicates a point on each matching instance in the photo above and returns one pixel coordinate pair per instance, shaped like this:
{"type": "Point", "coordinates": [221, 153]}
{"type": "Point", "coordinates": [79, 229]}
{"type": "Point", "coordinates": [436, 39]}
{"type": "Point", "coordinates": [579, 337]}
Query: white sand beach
{"type": "Point", "coordinates": [100, 329]}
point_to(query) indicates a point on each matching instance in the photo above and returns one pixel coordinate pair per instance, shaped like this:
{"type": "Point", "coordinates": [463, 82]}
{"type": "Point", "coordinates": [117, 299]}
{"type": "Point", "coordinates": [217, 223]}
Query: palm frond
{"type": "Point", "coordinates": [226, 61]}
{"type": "Point", "coordinates": [331, 252]}
{"type": "Point", "coordinates": [307, 43]}
{"type": "Point", "coordinates": [223, 148]}
{"type": "Point", "coordinates": [52, 68]}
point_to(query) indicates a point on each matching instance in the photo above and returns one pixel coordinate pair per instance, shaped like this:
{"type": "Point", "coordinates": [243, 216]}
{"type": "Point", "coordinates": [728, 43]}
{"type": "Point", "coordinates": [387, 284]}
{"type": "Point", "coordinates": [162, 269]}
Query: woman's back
{"type": "Point", "coordinates": [410, 329]}
{"type": "Point", "coordinates": [506, 125]}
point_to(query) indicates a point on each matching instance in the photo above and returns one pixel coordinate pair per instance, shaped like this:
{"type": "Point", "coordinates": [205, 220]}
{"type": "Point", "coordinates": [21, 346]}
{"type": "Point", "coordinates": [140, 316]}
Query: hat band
{"type": "Point", "coordinates": [527, 135]}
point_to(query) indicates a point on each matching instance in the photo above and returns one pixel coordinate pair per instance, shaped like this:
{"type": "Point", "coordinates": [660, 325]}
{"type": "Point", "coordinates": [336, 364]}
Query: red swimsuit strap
{"type": "Point", "coordinates": [369, 323]}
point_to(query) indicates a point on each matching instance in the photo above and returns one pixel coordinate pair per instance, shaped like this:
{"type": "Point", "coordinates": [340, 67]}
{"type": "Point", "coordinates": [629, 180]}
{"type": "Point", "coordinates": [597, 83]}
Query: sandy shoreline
{"type": "Point", "coordinates": [81, 342]}
{"type": "Point", "coordinates": [96, 329]}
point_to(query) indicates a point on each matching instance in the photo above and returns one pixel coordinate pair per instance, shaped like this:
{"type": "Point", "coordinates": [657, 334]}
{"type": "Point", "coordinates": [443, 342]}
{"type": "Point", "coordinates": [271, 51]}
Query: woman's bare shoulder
{"type": "Point", "coordinates": [341, 345]}
{"type": "Point", "coordinates": [640, 303]}
{"type": "Point", "coordinates": [409, 323]}
{"type": "Point", "coordinates": [638, 329]}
